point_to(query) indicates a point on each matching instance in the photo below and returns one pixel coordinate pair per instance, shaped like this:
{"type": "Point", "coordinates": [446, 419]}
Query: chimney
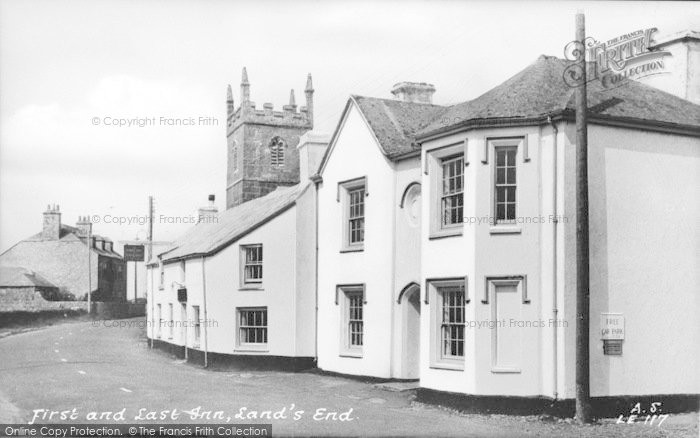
{"type": "Point", "coordinates": [52, 223]}
{"type": "Point", "coordinates": [84, 226]}
{"type": "Point", "coordinates": [682, 66]}
{"type": "Point", "coordinates": [416, 92]}
{"type": "Point", "coordinates": [312, 146]}
{"type": "Point", "coordinates": [208, 214]}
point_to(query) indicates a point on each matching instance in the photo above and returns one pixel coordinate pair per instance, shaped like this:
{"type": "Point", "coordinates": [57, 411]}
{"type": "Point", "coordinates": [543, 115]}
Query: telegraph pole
{"type": "Point", "coordinates": [148, 260]}
{"type": "Point", "coordinates": [150, 228]}
{"type": "Point", "coordinates": [583, 387]}
{"type": "Point", "coordinates": [89, 248]}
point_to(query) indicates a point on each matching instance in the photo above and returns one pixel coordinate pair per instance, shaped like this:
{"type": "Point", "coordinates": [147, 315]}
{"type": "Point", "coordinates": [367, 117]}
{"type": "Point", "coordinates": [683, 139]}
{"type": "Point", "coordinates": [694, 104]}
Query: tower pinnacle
{"type": "Point", "coordinates": [245, 87]}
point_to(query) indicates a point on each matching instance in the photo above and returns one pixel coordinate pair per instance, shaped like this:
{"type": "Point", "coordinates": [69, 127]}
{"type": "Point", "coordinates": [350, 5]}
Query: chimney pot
{"type": "Point", "coordinates": [209, 213]}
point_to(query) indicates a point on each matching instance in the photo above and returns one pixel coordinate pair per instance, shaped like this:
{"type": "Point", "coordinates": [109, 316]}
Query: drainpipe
{"type": "Point", "coordinates": [555, 310]}
{"type": "Point", "coordinates": [316, 184]}
{"type": "Point", "coordinates": [206, 320]}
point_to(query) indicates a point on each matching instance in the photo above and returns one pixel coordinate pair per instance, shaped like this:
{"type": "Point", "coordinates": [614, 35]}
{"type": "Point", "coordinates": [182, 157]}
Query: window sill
{"type": "Point", "coordinates": [351, 354]}
{"type": "Point", "coordinates": [352, 249]}
{"type": "Point", "coordinates": [450, 366]}
{"type": "Point", "coordinates": [505, 229]}
{"type": "Point", "coordinates": [251, 349]}
{"type": "Point", "coordinates": [251, 287]}
{"type": "Point", "coordinates": [161, 287]}
{"type": "Point", "coordinates": [445, 232]}
{"type": "Point", "coordinates": [505, 370]}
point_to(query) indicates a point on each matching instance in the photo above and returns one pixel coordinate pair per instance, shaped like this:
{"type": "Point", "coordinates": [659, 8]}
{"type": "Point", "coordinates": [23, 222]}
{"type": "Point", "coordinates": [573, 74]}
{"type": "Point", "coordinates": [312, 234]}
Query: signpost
{"type": "Point", "coordinates": [134, 253]}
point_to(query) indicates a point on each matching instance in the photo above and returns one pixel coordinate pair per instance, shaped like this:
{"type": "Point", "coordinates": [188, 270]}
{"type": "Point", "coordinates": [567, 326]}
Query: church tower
{"type": "Point", "coordinates": [262, 144]}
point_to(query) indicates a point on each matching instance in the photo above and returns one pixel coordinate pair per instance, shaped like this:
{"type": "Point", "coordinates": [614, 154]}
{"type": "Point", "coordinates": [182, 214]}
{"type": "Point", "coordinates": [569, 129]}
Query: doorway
{"type": "Point", "coordinates": [410, 310]}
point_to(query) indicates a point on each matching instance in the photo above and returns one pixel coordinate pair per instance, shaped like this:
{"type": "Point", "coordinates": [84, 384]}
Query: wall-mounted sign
{"type": "Point", "coordinates": [612, 326]}
{"type": "Point", "coordinates": [612, 347]}
{"type": "Point", "coordinates": [133, 253]}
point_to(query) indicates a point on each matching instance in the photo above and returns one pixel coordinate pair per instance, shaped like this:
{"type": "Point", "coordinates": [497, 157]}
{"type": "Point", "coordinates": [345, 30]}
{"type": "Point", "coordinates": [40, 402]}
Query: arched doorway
{"type": "Point", "coordinates": [409, 302]}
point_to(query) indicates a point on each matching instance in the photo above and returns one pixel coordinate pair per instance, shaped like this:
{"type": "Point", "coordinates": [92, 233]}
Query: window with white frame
{"type": "Point", "coordinates": [159, 317]}
{"type": "Point", "coordinates": [355, 324]}
{"type": "Point", "coordinates": [445, 168]}
{"type": "Point", "coordinates": [505, 184]}
{"type": "Point", "coordinates": [356, 216]}
{"type": "Point", "coordinates": [352, 195]}
{"type": "Point", "coordinates": [183, 322]}
{"type": "Point", "coordinates": [171, 322]}
{"type": "Point", "coordinates": [452, 321]}
{"type": "Point", "coordinates": [352, 308]}
{"type": "Point", "coordinates": [183, 272]}
{"type": "Point", "coordinates": [448, 315]}
{"type": "Point", "coordinates": [161, 271]}
{"type": "Point", "coordinates": [252, 327]}
{"type": "Point", "coordinates": [452, 195]}
{"type": "Point", "coordinates": [252, 256]}
{"type": "Point", "coordinates": [197, 325]}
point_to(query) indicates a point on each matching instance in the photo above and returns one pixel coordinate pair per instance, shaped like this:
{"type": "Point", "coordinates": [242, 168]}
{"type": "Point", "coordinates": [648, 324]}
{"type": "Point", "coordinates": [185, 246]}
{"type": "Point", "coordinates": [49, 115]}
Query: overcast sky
{"type": "Point", "coordinates": [63, 63]}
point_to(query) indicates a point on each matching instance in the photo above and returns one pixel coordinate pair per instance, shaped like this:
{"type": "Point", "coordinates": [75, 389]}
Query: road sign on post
{"type": "Point", "coordinates": [133, 253]}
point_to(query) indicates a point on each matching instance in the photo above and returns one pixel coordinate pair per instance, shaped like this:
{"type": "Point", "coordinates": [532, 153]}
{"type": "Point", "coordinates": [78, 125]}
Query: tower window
{"type": "Point", "coordinates": [234, 149]}
{"type": "Point", "coordinates": [277, 147]}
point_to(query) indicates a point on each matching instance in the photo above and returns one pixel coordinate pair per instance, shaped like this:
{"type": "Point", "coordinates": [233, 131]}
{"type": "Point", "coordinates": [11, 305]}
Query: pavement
{"type": "Point", "coordinates": [96, 367]}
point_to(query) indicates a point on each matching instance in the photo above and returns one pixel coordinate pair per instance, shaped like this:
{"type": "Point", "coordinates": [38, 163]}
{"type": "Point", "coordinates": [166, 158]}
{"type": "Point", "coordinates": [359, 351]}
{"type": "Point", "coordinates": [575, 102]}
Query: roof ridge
{"type": "Point", "coordinates": [234, 223]}
{"type": "Point", "coordinates": [389, 99]}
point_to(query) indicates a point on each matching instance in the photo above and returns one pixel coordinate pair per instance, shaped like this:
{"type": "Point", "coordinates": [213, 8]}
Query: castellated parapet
{"type": "Point", "coordinates": [261, 142]}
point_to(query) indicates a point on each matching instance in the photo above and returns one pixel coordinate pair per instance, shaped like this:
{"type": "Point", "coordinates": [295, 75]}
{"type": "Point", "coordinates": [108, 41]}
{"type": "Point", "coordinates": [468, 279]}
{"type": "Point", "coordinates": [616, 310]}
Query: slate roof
{"type": "Point", "coordinates": [395, 122]}
{"type": "Point", "coordinates": [68, 232]}
{"type": "Point", "coordinates": [540, 90]}
{"type": "Point", "coordinates": [234, 223]}
{"type": "Point", "coordinates": [12, 276]}
{"type": "Point", "coordinates": [530, 96]}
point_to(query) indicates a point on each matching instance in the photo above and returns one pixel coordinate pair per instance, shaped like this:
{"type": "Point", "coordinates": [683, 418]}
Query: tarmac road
{"type": "Point", "coordinates": [93, 367]}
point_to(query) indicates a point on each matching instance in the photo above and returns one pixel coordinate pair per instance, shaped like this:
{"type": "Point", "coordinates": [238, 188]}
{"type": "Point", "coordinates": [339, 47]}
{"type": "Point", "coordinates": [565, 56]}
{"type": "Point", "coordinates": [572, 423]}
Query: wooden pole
{"type": "Point", "coordinates": [136, 283]}
{"type": "Point", "coordinates": [150, 299]}
{"type": "Point", "coordinates": [150, 228]}
{"type": "Point", "coordinates": [89, 247]}
{"type": "Point", "coordinates": [583, 395]}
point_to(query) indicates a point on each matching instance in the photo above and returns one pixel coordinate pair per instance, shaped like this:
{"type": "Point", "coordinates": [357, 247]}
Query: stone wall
{"type": "Point", "coordinates": [29, 299]}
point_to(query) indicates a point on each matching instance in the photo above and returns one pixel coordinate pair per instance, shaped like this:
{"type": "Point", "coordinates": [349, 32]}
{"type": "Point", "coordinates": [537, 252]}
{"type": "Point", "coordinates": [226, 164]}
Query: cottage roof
{"type": "Point", "coordinates": [68, 233]}
{"type": "Point", "coordinates": [13, 276]}
{"type": "Point", "coordinates": [210, 237]}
